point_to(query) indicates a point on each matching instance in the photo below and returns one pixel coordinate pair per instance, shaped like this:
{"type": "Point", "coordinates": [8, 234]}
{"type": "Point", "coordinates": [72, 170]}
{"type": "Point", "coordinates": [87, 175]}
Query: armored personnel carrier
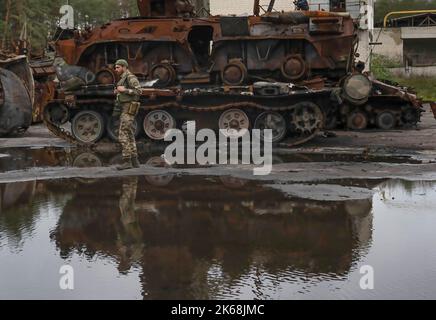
{"type": "Point", "coordinates": [16, 94]}
{"type": "Point", "coordinates": [292, 72]}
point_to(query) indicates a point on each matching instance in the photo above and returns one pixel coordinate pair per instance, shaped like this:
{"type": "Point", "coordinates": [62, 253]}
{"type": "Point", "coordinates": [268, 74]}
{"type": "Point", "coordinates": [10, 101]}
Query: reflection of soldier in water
{"type": "Point", "coordinates": [129, 236]}
{"type": "Point", "coordinates": [177, 236]}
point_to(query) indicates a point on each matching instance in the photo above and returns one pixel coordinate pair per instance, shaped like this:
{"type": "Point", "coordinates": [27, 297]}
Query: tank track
{"type": "Point", "coordinates": [386, 107]}
{"type": "Point", "coordinates": [318, 118]}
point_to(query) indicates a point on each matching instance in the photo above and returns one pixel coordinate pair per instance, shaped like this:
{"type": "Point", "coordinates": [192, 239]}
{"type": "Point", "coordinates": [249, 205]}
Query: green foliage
{"type": "Point", "coordinates": [383, 7]}
{"type": "Point", "coordinates": [42, 16]}
{"type": "Point", "coordinates": [424, 86]}
{"type": "Point", "coordinates": [380, 66]}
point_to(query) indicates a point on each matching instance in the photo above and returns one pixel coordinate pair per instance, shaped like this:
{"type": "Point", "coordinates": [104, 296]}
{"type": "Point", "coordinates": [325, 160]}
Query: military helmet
{"type": "Point", "coordinates": [122, 62]}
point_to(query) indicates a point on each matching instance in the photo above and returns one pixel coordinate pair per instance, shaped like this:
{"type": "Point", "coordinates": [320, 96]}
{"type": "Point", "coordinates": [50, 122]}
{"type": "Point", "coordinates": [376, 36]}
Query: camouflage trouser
{"type": "Point", "coordinates": [126, 134]}
{"type": "Point", "coordinates": [127, 200]}
{"type": "Point", "coordinates": [129, 233]}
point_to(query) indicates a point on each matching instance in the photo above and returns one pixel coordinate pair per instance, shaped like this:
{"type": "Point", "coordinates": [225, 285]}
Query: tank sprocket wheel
{"type": "Point", "coordinates": [88, 126]}
{"type": "Point", "coordinates": [357, 121]}
{"type": "Point", "coordinates": [234, 123]}
{"type": "Point", "coordinates": [306, 118]}
{"type": "Point", "coordinates": [411, 116]}
{"type": "Point", "coordinates": [272, 121]}
{"type": "Point", "coordinates": [57, 113]}
{"type": "Point", "coordinates": [386, 120]}
{"type": "Point", "coordinates": [157, 123]}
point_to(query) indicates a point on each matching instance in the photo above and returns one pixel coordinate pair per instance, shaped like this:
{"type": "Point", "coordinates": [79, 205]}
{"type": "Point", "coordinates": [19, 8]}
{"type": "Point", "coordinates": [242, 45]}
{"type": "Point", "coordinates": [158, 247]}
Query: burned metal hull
{"type": "Point", "coordinates": [16, 95]}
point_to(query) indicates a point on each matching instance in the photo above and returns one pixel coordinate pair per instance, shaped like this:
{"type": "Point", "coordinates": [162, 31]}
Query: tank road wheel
{"type": "Point", "coordinates": [165, 73]}
{"type": "Point", "coordinates": [386, 120]}
{"type": "Point", "coordinates": [105, 76]}
{"type": "Point", "coordinates": [357, 121]}
{"type": "Point", "coordinates": [158, 180]}
{"type": "Point", "coordinates": [113, 128]}
{"type": "Point", "coordinates": [87, 160]}
{"type": "Point", "coordinates": [88, 126]}
{"type": "Point", "coordinates": [274, 121]}
{"type": "Point", "coordinates": [157, 123]}
{"type": "Point", "coordinates": [294, 67]}
{"type": "Point", "coordinates": [235, 73]}
{"type": "Point", "coordinates": [234, 123]}
{"type": "Point", "coordinates": [306, 118]}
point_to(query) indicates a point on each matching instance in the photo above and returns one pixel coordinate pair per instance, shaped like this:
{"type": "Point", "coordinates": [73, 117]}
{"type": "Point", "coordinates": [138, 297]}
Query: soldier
{"type": "Point", "coordinates": [128, 92]}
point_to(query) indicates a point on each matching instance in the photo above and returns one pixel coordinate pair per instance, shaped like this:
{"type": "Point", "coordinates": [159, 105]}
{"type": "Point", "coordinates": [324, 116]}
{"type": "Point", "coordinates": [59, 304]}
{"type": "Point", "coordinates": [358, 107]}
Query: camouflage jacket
{"type": "Point", "coordinates": [131, 82]}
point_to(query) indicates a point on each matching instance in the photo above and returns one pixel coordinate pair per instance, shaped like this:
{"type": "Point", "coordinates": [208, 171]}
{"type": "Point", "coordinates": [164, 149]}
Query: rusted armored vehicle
{"type": "Point", "coordinates": [16, 94]}
{"type": "Point", "coordinates": [292, 72]}
{"type": "Point", "coordinates": [45, 87]}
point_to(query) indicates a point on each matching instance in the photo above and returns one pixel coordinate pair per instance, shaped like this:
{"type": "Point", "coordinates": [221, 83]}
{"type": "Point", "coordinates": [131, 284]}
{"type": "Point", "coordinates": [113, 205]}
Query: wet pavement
{"type": "Point", "coordinates": [305, 231]}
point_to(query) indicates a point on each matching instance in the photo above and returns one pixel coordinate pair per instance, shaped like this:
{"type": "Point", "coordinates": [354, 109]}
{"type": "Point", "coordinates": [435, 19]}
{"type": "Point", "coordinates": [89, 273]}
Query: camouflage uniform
{"type": "Point", "coordinates": [129, 233]}
{"type": "Point", "coordinates": [128, 102]}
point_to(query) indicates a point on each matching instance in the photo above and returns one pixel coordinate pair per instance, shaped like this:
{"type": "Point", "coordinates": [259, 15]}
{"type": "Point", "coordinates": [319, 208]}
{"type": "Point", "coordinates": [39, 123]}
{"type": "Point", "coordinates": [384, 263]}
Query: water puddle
{"type": "Point", "coordinates": [197, 237]}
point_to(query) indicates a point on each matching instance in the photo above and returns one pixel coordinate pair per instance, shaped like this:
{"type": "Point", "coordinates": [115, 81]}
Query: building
{"type": "Point", "coordinates": [409, 41]}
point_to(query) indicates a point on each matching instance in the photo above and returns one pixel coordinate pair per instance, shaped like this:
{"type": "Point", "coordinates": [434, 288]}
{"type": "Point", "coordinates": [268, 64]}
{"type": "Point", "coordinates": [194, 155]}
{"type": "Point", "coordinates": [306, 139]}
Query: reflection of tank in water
{"type": "Point", "coordinates": [177, 234]}
{"type": "Point", "coordinates": [16, 94]}
{"type": "Point", "coordinates": [17, 216]}
{"type": "Point", "coordinates": [13, 193]}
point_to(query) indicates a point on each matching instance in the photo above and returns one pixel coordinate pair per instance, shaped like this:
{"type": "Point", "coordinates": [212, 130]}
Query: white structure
{"type": "Point", "coordinates": [245, 7]}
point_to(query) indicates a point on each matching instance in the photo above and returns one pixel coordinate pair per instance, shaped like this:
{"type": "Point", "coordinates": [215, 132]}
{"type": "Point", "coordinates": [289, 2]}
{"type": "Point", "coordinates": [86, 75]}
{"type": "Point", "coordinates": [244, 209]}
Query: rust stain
{"type": "Point", "coordinates": [433, 108]}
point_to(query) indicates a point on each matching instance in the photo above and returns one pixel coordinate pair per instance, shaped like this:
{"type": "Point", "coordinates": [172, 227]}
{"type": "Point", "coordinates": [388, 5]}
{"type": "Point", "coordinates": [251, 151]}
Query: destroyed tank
{"type": "Point", "coordinates": [291, 72]}
{"type": "Point", "coordinates": [16, 94]}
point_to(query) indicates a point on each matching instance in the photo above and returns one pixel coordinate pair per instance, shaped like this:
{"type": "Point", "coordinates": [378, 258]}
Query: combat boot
{"type": "Point", "coordinates": [135, 162]}
{"type": "Point", "coordinates": [126, 165]}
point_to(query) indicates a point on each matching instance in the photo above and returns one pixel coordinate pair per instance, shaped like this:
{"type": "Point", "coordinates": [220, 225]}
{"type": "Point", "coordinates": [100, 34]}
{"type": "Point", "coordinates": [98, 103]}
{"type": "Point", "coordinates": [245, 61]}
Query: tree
{"type": "Point", "coordinates": [5, 23]}
{"type": "Point", "coordinates": [42, 17]}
